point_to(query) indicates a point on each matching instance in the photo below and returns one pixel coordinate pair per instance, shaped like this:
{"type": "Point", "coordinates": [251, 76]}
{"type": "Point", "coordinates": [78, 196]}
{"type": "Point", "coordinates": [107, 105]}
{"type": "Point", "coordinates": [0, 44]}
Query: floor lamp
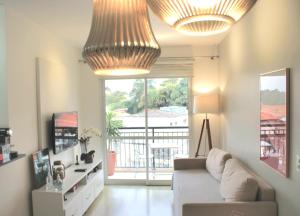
{"type": "Point", "coordinates": [206, 104]}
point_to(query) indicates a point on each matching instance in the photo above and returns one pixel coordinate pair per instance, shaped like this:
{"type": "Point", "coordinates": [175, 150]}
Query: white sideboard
{"type": "Point", "coordinates": [66, 203]}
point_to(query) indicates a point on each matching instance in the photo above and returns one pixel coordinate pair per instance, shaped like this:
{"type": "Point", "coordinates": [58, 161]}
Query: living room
{"type": "Point", "coordinates": [48, 74]}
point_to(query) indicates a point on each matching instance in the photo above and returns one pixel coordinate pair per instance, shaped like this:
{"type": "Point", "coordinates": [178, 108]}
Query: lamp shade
{"type": "Point", "coordinates": [201, 17]}
{"type": "Point", "coordinates": [206, 103]}
{"type": "Point", "coordinates": [121, 41]}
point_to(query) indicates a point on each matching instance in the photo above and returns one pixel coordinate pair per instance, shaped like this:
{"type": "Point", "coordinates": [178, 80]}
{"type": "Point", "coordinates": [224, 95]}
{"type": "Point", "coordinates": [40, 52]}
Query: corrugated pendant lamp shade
{"type": "Point", "coordinates": [201, 17]}
{"type": "Point", "coordinates": [121, 41]}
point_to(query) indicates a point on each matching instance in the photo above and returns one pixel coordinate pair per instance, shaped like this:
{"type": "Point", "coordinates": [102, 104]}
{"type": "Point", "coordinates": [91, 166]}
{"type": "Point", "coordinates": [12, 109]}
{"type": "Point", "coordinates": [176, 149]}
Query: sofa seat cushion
{"type": "Point", "coordinates": [195, 186]}
{"type": "Point", "coordinates": [237, 183]}
{"type": "Point", "coordinates": [215, 162]}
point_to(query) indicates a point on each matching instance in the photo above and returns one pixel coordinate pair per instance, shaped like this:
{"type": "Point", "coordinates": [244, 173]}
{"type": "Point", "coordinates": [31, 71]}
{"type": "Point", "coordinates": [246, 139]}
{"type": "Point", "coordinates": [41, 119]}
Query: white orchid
{"type": "Point", "coordinates": [88, 133]}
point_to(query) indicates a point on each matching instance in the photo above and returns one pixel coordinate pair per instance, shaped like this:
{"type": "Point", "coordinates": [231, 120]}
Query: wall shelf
{"type": "Point", "coordinates": [12, 160]}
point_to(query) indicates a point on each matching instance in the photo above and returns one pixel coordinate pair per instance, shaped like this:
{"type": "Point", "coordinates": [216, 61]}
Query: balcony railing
{"type": "Point", "coordinates": [164, 144]}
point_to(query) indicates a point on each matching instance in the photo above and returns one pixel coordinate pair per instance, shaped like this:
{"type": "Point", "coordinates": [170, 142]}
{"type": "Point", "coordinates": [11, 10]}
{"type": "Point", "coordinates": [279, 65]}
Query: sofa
{"type": "Point", "coordinates": [220, 185]}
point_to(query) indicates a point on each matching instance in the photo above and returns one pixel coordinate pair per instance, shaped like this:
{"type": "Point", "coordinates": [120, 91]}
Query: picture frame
{"type": "Point", "coordinates": [275, 120]}
{"type": "Point", "coordinates": [41, 167]}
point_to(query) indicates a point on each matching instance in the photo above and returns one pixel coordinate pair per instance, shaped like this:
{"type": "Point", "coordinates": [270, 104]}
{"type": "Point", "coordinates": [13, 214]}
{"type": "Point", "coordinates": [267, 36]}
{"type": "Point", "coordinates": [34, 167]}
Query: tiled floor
{"type": "Point", "coordinates": [133, 201]}
{"type": "Point", "coordinates": [141, 175]}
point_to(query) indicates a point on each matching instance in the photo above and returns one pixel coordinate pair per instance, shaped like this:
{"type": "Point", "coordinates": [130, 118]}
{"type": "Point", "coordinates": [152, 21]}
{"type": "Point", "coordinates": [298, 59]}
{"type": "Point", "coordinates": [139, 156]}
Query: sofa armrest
{"type": "Point", "coordinates": [189, 163]}
{"type": "Point", "coordinates": [230, 209]}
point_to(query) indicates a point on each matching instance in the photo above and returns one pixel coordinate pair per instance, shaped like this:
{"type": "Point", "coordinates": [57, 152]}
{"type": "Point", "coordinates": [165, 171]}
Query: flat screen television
{"type": "Point", "coordinates": [65, 131]}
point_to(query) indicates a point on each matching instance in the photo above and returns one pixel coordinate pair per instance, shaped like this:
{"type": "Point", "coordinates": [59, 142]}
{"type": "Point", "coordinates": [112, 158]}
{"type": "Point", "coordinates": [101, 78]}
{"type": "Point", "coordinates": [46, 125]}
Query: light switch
{"type": "Point", "coordinates": [298, 163]}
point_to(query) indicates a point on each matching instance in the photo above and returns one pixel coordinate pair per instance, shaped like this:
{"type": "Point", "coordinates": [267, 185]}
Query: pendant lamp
{"type": "Point", "coordinates": [201, 17]}
{"type": "Point", "coordinates": [121, 41]}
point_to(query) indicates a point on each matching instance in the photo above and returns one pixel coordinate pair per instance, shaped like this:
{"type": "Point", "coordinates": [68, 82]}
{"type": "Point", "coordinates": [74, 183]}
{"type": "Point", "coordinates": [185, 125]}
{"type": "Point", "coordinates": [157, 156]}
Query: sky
{"type": "Point", "coordinates": [120, 85]}
{"type": "Point", "coordinates": [126, 85]}
{"type": "Point", "coordinates": [273, 82]}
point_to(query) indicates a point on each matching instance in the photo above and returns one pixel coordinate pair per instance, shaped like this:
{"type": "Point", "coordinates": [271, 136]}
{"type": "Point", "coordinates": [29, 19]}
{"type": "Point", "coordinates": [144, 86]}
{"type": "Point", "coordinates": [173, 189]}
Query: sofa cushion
{"type": "Point", "coordinates": [215, 162]}
{"type": "Point", "coordinates": [195, 186]}
{"type": "Point", "coordinates": [237, 183]}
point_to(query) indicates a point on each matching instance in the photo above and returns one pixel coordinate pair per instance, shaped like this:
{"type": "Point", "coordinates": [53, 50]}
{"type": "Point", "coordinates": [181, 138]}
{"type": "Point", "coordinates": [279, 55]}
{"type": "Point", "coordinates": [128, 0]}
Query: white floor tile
{"type": "Point", "coordinates": [133, 201]}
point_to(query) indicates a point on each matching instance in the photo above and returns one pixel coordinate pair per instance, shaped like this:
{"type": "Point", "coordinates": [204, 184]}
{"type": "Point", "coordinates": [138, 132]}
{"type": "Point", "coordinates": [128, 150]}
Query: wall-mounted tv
{"type": "Point", "coordinates": [65, 131]}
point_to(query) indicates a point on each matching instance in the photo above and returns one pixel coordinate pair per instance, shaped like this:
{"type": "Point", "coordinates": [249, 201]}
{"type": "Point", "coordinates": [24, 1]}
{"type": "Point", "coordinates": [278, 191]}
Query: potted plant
{"type": "Point", "coordinates": [112, 131]}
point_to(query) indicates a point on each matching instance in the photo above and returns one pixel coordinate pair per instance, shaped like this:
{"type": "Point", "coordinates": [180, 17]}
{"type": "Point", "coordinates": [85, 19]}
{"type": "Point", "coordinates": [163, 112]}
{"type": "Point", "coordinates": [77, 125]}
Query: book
{"type": "Point", "coordinates": [4, 153]}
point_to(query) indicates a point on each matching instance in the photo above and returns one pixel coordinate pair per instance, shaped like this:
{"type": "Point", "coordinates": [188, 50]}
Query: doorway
{"type": "Point", "coordinates": [151, 118]}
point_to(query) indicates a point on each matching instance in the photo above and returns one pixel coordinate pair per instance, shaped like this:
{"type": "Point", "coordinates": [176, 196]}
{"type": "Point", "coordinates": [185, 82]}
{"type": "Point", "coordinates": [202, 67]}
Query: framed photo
{"type": "Point", "coordinates": [41, 167]}
{"type": "Point", "coordinates": [274, 120]}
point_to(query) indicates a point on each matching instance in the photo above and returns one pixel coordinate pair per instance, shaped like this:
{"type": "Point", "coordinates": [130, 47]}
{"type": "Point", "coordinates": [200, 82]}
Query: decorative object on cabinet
{"type": "Point", "coordinates": [88, 157]}
{"type": "Point", "coordinates": [58, 169]}
{"type": "Point", "coordinates": [274, 119]}
{"type": "Point", "coordinates": [85, 137]}
{"type": "Point", "coordinates": [41, 167]}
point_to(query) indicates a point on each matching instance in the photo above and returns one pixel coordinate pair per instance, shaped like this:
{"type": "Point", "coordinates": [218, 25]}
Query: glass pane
{"type": "Point", "coordinates": [125, 110]}
{"type": "Point", "coordinates": [168, 125]}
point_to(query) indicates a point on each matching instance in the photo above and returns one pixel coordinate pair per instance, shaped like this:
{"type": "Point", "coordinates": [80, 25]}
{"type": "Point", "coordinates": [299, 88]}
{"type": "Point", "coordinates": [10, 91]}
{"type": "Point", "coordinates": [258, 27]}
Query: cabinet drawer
{"type": "Point", "coordinates": [98, 184]}
{"type": "Point", "coordinates": [74, 208]}
{"type": "Point", "coordinates": [73, 212]}
{"type": "Point", "coordinates": [87, 197]}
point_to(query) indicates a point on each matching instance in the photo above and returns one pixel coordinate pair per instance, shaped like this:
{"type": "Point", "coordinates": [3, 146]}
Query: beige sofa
{"type": "Point", "coordinates": [220, 186]}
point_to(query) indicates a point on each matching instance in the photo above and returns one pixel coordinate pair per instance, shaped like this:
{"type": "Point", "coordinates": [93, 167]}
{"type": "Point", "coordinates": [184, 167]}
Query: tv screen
{"type": "Point", "coordinates": [65, 127]}
{"type": "Point", "coordinates": [41, 167]}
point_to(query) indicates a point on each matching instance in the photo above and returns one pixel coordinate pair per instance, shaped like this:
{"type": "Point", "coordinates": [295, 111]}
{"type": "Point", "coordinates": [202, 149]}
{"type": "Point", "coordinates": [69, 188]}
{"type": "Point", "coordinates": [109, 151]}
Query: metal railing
{"type": "Point", "coordinates": [164, 143]}
{"type": "Point", "coordinates": [273, 134]}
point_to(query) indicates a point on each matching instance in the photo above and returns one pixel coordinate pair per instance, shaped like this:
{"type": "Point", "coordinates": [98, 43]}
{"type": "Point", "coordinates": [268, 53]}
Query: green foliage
{"type": "Point", "coordinates": [115, 100]}
{"type": "Point", "coordinates": [274, 97]}
{"type": "Point", "coordinates": [113, 125]}
{"type": "Point", "coordinates": [172, 92]}
{"type": "Point", "coordinates": [136, 101]}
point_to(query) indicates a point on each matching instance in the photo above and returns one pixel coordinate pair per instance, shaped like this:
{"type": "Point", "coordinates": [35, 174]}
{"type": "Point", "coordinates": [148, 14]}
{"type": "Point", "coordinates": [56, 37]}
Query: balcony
{"type": "Point", "coordinates": [164, 145]}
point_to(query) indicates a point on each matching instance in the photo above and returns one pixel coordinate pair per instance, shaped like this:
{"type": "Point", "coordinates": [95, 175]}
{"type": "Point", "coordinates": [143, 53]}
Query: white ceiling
{"type": "Point", "coordinates": [70, 19]}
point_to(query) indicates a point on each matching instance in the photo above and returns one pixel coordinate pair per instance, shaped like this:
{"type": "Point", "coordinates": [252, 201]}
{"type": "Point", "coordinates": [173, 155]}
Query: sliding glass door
{"type": "Point", "coordinates": [125, 113]}
{"type": "Point", "coordinates": [168, 125]}
{"type": "Point", "coordinates": [149, 126]}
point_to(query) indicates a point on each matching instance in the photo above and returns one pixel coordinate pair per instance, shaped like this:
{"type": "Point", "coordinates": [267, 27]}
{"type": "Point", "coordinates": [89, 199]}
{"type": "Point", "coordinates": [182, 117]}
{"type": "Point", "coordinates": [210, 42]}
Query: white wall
{"type": "Point", "coordinates": [266, 39]}
{"type": "Point", "coordinates": [25, 42]}
{"type": "Point", "coordinates": [3, 72]}
{"type": "Point", "coordinates": [91, 107]}
{"type": "Point", "coordinates": [57, 91]}
{"type": "Point", "coordinates": [205, 80]}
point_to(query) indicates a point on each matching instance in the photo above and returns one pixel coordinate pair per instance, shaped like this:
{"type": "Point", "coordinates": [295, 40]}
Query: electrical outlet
{"type": "Point", "coordinates": [298, 163]}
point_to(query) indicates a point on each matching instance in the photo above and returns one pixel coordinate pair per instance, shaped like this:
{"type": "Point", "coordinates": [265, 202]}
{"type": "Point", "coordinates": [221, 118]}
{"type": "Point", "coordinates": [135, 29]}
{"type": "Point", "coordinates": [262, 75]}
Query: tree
{"type": "Point", "coordinates": [181, 98]}
{"type": "Point", "coordinates": [172, 92]}
{"type": "Point", "coordinates": [116, 100]}
{"type": "Point", "coordinates": [273, 97]}
{"type": "Point", "coordinates": [137, 97]}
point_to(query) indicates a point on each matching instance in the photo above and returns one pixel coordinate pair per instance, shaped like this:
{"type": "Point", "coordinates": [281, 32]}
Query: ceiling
{"type": "Point", "coordinates": [71, 19]}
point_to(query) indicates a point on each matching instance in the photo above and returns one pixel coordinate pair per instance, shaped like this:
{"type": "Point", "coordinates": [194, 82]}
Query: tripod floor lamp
{"type": "Point", "coordinates": [206, 104]}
